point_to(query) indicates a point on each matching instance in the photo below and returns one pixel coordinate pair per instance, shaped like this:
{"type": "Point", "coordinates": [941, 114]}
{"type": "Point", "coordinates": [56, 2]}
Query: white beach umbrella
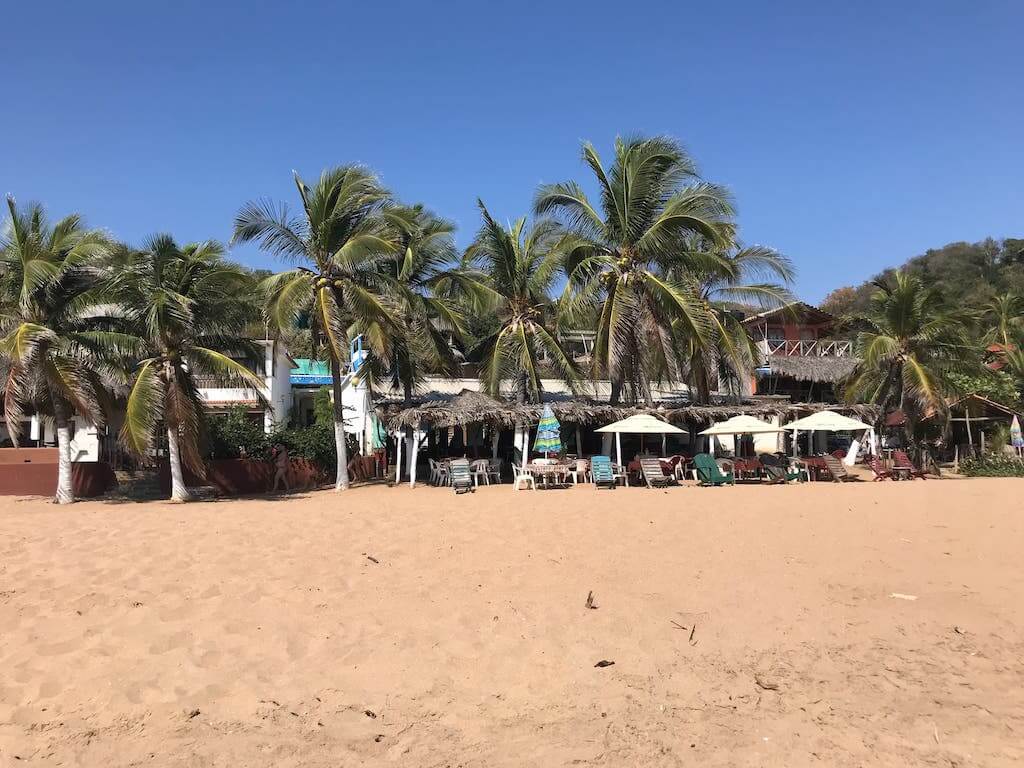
{"type": "Point", "coordinates": [742, 425]}
{"type": "Point", "coordinates": [640, 424]}
{"type": "Point", "coordinates": [827, 421]}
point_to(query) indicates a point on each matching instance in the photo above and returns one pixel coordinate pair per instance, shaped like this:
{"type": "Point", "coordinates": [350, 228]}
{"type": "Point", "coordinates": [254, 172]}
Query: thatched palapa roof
{"type": "Point", "coordinates": [815, 369]}
{"type": "Point", "coordinates": [470, 407]}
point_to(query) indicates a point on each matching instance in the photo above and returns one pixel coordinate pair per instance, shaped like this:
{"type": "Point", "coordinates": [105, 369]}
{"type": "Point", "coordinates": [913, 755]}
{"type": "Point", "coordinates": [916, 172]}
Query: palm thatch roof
{"type": "Point", "coordinates": [795, 311]}
{"type": "Point", "coordinates": [814, 369]}
{"type": "Point", "coordinates": [470, 407]}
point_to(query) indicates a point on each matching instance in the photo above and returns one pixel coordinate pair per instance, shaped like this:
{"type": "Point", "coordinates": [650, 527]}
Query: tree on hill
{"type": "Point", "coordinates": [966, 274]}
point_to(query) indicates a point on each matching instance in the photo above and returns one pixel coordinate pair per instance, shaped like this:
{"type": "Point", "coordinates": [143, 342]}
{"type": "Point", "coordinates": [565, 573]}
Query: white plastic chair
{"type": "Point", "coordinates": [520, 476]}
{"type": "Point", "coordinates": [443, 472]}
{"type": "Point", "coordinates": [582, 471]}
{"type": "Point", "coordinates": [480, 468]}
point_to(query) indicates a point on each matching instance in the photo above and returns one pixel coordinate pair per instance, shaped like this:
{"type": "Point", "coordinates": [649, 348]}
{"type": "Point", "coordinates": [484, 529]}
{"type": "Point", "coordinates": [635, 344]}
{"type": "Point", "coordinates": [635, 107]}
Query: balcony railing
{"type": "Point", "coordinates": [812, 348]}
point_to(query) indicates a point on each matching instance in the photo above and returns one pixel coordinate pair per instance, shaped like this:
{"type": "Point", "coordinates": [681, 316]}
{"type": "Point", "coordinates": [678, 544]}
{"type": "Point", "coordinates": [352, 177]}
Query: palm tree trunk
{"type": "Point", "coordinates": [645, 388]}
{"type": "Point", "coordinates": [179, 491]}
{"type": "Point", "coordinates": [340, 444]}
{"type": "Point", "coordinates": [65, 486]}
{"type": "Point", "coordinates": [616, 395]}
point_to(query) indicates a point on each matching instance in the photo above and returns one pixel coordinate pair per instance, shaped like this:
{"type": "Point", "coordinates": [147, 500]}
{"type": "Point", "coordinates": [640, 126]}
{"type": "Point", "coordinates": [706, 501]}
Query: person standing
{"type": "Point", "coordinates": [281, 464]}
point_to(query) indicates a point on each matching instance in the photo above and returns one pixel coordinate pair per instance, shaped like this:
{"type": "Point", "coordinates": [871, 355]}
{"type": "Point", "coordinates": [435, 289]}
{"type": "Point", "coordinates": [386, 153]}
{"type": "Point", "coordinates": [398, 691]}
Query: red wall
{"type": "Point", "coordinates": [233, 477]}
{"type": "Point", "coordinates": [33, 472]}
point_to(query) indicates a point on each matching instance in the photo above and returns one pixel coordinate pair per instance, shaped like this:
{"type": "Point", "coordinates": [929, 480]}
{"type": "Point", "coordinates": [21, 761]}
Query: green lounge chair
{"type": "Point", "coordinates": [462, 478]}
{"type": "Point", "coordinates": [601, 471]}
{"type": "Point", "coordinates": [708, 472]}
{"type": "Point", "coordinates": [776, 470]}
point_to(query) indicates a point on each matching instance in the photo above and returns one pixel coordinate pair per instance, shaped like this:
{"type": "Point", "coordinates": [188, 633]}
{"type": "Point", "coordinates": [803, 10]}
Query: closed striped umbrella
{"type": "Point", "coordinates": [549, 433]}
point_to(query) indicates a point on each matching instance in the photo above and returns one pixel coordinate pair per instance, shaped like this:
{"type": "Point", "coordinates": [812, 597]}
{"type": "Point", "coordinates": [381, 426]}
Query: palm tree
{"type": "Point", "coordinates": [910, 344]}
{"type": "Point", "coordinates": [510, 272]}
{"type": "Point", "coordinates": [55, 357]}
{"type": "Point", "coordinates": [1006, 314]}
{"type": "Point", "coordinates": [727, 279]}
{"type": "Point", "coordinates": [188, 310]}
{"type": "Point", "coordinates": [630, 252]}
{"type": "Point", "coordinates": [339, 242]}
{"type": "Point", "coordinates": [426, 319]}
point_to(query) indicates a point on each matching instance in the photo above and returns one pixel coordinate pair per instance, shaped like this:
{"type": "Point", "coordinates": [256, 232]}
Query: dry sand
{"type": "Point", "coordinates": [260, 632]}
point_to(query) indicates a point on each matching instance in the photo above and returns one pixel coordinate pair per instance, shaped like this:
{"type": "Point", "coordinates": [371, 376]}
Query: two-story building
{"type": "Point", "coordinates": [799, 354]}
{"type": "Point", "coordinates": [274, 369]}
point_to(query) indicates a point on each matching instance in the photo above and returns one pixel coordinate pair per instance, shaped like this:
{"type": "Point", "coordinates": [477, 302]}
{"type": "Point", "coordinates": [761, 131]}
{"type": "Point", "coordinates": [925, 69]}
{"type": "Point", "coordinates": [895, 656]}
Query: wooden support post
{"type": "Point", "coordinates": [399, 438]}
{"type": "Point", "coordinates": [413, 456]}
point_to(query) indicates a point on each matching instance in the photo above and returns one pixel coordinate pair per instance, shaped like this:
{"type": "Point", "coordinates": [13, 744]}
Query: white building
{"type": "Point", "coordinates": [40, 432]}
{"type": "Point", "coordinates": [274, 369]}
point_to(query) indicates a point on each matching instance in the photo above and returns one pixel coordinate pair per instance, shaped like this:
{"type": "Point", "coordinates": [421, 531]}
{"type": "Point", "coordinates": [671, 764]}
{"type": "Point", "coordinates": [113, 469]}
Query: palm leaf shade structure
{"type": "Point", "coordinates": [55, 354]}
{"type": "Point", "coordinates": [549, 433]}
{"type": "Point", "coordinates": [188, 310]}
{"type": "Point", "coordinates": [628, 251]}
{"type": "Point", "coordinates": [339, 244]}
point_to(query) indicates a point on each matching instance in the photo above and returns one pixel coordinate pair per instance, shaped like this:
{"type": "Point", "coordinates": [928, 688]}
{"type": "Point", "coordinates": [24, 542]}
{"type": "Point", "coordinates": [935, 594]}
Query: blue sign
{"type": "Point", "coordinates": [309, 380]}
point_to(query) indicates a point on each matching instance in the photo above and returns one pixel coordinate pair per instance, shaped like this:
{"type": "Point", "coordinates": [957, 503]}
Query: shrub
{"type": "Point", "coordinates": [227, 435]}
{"type": "Point", "coordinates": [993, 465]}
{"type": "Point", "coordinates": [315, 443]}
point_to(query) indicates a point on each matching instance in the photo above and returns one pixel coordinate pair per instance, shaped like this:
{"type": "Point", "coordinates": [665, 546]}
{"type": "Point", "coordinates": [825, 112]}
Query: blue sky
{"type": "Point", "coordinates": [853, 135]}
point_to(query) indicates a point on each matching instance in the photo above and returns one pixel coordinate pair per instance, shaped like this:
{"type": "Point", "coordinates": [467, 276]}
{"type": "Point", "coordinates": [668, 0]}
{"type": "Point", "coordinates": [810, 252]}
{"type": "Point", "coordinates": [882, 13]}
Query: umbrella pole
{"type": "Point", "coordinates": [618, 447]}
{"type": "Point", "coordinates": [663, 441]}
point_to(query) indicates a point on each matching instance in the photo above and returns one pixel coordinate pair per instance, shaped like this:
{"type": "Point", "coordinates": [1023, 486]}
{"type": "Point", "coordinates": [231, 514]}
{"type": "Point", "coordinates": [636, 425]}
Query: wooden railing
{"type": "Point", "coordinates": [812, 348]}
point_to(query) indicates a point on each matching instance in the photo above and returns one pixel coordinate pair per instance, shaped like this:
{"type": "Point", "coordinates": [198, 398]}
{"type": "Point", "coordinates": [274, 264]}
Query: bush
{"type": "Point", "coordinates": [229, 434]}
{"type": "Point", "coordinates": [993, 465]}
{"type": "Point", "coordinates": [315, 443]}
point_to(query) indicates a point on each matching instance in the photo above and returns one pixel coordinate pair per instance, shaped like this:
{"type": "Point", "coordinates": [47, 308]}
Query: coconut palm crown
{"type": "Point", "coordinates": [55, 355]}
{"type": "Point", "coordinates": [338, 243]}
{"type": "Point", "coordinates": [188, 310]}
{"type": "Point", "coordinates": [512, 271]}
{"type": "Point", "coordinates": [910, 344]}
{"type": "Point", "coordinates": [630, 248]}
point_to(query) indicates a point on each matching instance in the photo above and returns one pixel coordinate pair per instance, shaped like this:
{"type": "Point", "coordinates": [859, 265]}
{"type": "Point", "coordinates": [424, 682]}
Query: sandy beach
{"type": "Point", "coordinates": [840, 625]}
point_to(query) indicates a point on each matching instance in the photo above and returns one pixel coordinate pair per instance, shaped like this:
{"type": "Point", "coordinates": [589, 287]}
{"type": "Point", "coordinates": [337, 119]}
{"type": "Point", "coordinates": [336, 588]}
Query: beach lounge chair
{"type": "Point", "coordinates": [462, 479]}
{"type": "Point", "coordinates": [653, 474]}
{"type": "Point", "coordinates": [837, 469]}
{"type": "Point", "coordinates": [777, 469]}
{"type": "Point", "coordinates": [881, 473]}
{"type": "Point", "coordinates": [901, 463]}
{"type": "Point", "coordinates": [708, 472]}
{"type": "Point", "coordinates": [601, 471]}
